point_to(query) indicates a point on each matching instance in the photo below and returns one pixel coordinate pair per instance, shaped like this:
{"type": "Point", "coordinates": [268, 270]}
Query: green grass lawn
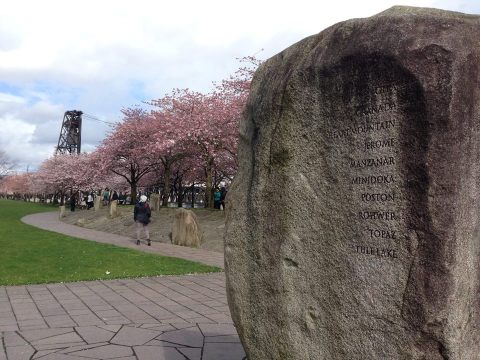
{"type": "Point", "coordinates": [31, 256]}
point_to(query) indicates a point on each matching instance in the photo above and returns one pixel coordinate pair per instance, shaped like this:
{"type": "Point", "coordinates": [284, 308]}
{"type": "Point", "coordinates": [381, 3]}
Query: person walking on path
{"type": "Point", "coordinates": [223, 193]}
{"type": "Point", "coordinates": [90, 200]}
{"type": "Point", "coordinates": [73, 201]}
{"type": "Point", "coordinates": [141, 216]}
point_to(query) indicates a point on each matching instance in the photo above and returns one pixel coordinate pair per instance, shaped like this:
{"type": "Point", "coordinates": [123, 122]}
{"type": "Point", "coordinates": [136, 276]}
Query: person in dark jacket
{"type": "Point", "coordinates": [217, 195]}
{"type": "Point", "coordinates": [223, 193]}
{"type": "Point", "coordinates": [73, 202]}
{"type": "Point", "coordinates": [141, 215]}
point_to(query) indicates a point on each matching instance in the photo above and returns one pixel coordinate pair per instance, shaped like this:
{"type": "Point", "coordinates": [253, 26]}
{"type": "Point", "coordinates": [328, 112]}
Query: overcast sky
{"type": "Point", "coordinates": [101, 56]}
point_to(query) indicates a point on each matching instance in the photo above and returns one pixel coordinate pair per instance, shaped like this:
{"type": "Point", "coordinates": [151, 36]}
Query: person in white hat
{"type": "Point", "coordinates": [141, 215]}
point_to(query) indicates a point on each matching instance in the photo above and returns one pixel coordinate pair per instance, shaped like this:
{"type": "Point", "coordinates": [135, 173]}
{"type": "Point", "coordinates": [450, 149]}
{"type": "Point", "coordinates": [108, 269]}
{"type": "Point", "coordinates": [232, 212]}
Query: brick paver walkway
{"type": "Point", "coordinates": [169, 317]}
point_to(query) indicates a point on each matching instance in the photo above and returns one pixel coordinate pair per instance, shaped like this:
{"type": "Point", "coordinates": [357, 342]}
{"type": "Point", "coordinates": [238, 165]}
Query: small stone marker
{"type": "Point", "coordinates": [353, 229]}
{"type": "Point", "coordinates": [155, 202]}
{"type": "Point", "coordinates": [96, 203]}
{"type": "Point", "coordinates": [113, 209]}
{"type": "Point", "coordinates": [62, 212]}
{"type": "Point", "coordinates": [185, 229]}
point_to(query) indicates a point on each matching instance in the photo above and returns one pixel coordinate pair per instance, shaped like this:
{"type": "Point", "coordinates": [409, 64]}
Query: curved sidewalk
{"type": "Point", "coordinates": [50, 221]}
{"type": "Point", "coordinates": [153, 318]}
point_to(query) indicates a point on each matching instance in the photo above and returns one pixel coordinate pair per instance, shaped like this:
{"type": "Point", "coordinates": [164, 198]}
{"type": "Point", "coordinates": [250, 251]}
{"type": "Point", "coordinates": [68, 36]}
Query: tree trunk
{"type": "Point", "coordinates": [133, 192]}
{"type": "Point", "coordinates": [166, 184]}
{"type": "Point", "coordinates": [193, 195]}
{"type": "Point", "coordinates": [62, 198]}
{"type": "Point", "coordinates": [209, 185]}
{"type": "Point", "coordinates": [180, 193]}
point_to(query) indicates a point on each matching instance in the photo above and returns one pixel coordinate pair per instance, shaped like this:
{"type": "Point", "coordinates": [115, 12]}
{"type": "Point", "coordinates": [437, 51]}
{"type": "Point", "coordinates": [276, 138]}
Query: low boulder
{"type": "Point", "coordinates": [81, 222]}
{"type": "Point", "coordinates": [185, 229]}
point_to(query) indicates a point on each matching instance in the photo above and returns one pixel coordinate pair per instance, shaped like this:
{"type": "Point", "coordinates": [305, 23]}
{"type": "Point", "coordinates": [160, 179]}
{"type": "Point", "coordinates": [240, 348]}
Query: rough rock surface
{"type": "Point", "coordinates": [96, 203]}
{"type": "Point", "coordinates": [113, 208]}
{"type": "Point", "coordinates": [155, 202]}
{"type": "Point", "coordinates": [353, 223]}
{"type": "Point", "coordinates": [185, 229]}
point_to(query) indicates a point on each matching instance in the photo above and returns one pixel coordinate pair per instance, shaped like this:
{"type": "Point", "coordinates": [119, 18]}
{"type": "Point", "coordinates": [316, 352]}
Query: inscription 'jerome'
{"type": "Point", "coordinates": [376, 144]}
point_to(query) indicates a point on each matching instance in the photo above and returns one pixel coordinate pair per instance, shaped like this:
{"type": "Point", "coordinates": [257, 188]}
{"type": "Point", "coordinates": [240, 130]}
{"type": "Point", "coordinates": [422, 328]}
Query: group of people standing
{"type": "Point", "coordinates": [85, 201]}
{"type": "Point", "coordinates": [108, 196]}
{"type": "Point", "coordinates": [89, 199]}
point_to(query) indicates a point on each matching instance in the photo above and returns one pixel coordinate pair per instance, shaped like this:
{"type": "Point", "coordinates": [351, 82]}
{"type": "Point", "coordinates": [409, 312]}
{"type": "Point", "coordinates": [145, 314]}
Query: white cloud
{"type": "Point", "coordinates": [9, 98]}
{"type": "Point", "coordinates": [15, 140]}
{"type": "Point", "coordinates": [101, 56]}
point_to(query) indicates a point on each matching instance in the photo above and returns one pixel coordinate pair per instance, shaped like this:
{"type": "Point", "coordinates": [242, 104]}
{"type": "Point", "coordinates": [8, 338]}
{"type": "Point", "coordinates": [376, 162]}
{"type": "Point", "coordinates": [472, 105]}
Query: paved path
{"type": "Point", "coordinates": [169, 317]}
{"type": "Point", "coordinates": [50, 221]}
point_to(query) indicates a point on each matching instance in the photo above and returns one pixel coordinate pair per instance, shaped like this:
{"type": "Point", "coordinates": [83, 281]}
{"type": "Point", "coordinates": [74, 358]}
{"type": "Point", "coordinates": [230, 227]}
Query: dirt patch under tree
{"type": "Point", "coordinates": [212, 224]}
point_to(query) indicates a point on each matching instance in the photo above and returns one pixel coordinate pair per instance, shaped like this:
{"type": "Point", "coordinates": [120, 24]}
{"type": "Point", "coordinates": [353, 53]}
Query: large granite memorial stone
{"type": "Point", "coordinates": [353, 223]}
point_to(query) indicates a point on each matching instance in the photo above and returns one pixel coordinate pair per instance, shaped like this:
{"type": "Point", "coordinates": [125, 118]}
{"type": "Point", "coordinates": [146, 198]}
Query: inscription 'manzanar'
{"type": "Point", "coordinates": [373, 162]}
{"type": "Point", "coordinates": [372, 179]}
{"type": "Point", "coordinates": [363, 128]}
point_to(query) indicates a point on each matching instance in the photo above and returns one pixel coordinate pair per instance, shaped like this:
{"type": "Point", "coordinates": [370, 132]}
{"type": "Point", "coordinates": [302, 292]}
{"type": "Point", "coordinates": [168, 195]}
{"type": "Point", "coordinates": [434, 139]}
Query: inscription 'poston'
{"type": "Point", "coordinates": [378, 197]}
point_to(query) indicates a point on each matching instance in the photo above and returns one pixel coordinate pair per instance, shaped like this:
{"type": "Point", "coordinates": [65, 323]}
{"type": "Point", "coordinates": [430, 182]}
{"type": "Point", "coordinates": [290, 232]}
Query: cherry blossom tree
{"type": "Point", "coordinates": [203, 126]}
{"type": "Point", "coordinates": [175, 115]}
{"type": "Point", "coordinates": [63, 173]}
{"type": "Point", "coordinates": [16, 185]}
{"type": "Point", "coordinates": [129, 151]}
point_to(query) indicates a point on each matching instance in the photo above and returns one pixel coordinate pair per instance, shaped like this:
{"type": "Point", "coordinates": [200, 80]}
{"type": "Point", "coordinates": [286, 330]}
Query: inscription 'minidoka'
{"type": "Point", "coordinates": [369, 180]}
{"type": "Point", "coordinates": [367, 127]}
{"type": "Point", "coordinates": [373, 162]}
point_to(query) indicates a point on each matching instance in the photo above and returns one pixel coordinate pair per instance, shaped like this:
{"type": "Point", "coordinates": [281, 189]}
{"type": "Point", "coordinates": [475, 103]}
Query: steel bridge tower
{"type": "Point", "coordinates": [70, 137]}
